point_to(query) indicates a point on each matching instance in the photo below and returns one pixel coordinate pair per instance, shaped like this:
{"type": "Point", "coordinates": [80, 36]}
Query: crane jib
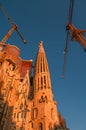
{"type": "Point", "coordinates": [14, 27]}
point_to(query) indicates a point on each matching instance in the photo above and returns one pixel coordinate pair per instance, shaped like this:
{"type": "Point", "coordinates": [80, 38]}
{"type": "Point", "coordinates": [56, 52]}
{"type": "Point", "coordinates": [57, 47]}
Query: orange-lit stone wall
{"type": "Point", "coordinates": [26, 101]}
{"type": "Point", "coordinates": [14, 88]}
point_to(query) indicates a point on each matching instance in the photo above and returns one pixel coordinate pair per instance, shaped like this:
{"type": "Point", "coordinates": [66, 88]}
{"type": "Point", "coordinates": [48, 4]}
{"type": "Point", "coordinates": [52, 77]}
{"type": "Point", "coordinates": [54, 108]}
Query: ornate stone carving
{"type": "Point", "coordinates": [43, 99]}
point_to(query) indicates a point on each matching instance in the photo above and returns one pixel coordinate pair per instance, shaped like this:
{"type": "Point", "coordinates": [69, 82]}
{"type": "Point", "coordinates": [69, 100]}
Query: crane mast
{"type": "Point", "coordinates": [77, 35]}
{"type": "Point", "coordinates": [7, 35]}
{"type": "Point", "coordinates": [13, 28]}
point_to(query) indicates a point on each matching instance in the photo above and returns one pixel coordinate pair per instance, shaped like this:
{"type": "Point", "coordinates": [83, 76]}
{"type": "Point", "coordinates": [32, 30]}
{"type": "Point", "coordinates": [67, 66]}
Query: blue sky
{"type": "Point", "coordinates": [46, 20]}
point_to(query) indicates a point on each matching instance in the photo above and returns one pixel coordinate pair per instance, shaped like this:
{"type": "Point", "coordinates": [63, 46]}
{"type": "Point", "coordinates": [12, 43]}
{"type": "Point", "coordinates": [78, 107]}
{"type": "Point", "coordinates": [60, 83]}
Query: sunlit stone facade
{"type": "Point", "coordinates": [26, 100]}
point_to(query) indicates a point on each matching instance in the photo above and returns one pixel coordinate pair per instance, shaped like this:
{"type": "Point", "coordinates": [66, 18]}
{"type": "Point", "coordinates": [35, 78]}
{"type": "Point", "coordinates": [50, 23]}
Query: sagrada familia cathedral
{"type": "Point", "coordinates": [26, 101]}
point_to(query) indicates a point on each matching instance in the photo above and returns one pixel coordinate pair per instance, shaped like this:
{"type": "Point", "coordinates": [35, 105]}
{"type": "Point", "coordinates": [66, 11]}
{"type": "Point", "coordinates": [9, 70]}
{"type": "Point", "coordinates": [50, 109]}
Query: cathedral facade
{"type": "Point", "coordinates": [26, 101]}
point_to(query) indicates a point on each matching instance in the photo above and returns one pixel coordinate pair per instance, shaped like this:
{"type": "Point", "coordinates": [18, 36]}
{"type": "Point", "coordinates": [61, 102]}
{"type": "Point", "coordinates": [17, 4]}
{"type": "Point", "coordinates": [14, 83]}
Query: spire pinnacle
{"type": "Point", "coordinates": [41, 43]}
{"type": "Point", "coordinates": [41, 49]}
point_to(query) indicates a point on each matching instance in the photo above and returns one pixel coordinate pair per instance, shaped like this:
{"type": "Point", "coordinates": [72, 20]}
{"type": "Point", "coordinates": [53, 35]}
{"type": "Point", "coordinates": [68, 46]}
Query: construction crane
{"type": "Point", "coordinates": [13, 28]}
{"type": "Point", "coordinates": [76, 35]}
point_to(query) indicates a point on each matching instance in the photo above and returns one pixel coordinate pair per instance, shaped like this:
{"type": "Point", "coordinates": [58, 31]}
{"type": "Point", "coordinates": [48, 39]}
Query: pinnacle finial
{"type": "Point", "coordinates": [41, 44]}
{"type": "Point", "coordinates": [41, 49]}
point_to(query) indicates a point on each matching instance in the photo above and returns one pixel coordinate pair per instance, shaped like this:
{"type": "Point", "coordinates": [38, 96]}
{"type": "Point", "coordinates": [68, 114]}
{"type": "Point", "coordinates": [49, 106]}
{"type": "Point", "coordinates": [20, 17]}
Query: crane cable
{"type": "Point", "coordinates": [71, 10]}
{"type": "Point", "coordinates": [6, 14]}
{"type": "Point", "coordinates": [67, 35]}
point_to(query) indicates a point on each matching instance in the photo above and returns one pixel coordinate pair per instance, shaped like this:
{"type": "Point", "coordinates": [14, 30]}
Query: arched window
{"type": "Point", "coordinates": [40, 126]}
{"type": "Point", "coordinates": [50, 127]}
{"type": "Point", "coordinates": [41, 82]}
{"type": "Point", "coordinates": [52, 112]}
{"type": "Point", "coordinates": [14, 115]}
{"type": "Point", "coordinates": [38, 83]}
{"type": "Point", "coordinates": [35, 112]}
{"type": "Point", "coordinates": [44, 79]}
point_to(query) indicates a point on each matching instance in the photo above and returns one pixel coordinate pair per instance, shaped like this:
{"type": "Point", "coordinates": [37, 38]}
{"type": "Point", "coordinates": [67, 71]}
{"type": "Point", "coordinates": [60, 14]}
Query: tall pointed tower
{"type": "Point", "coordinates": [45, 115]}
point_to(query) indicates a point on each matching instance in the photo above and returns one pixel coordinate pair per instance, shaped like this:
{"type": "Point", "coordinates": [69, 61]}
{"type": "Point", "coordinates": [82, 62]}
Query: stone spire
{"type": "Point", "coordinates": [42, 74]}
{"type": "Point", "coordinates": [44, 112]}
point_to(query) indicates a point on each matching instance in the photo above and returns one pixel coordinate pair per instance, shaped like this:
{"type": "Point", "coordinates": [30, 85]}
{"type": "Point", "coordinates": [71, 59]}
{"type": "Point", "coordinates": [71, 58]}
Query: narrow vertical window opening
{"type": "Point", "coordinates": [40, 126]}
